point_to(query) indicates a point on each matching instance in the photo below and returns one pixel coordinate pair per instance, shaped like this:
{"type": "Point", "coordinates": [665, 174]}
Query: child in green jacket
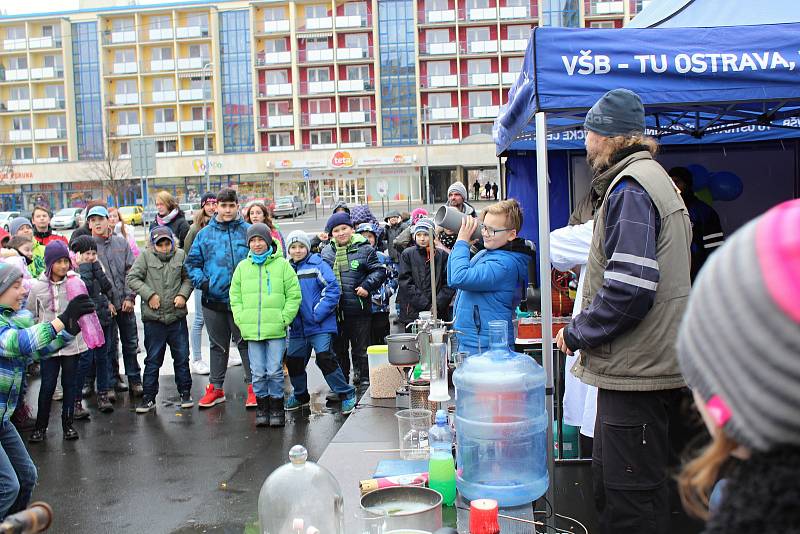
{"type": "Point", "coordinates": [265, 296]}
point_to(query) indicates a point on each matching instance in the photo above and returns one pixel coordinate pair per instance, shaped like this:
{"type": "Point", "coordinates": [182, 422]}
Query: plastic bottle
{"type": "Point", "coordinates": [501, 424]}
{"type": "Point", "coordinates": [441, 467]}
{"type": "Point", "coordinates": [89, 323]}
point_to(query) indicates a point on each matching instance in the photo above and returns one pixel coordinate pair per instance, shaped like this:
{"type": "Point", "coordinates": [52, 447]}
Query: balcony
{"type": "Point", "coordinates": [159, 34]}
{"type": "Point", "coordinates": [48, 103]}
{"type": "Point", "coordinates": [191, 32]}
{"type": "Point", "coordinates": [193, 63]}
{"type": "Point", "coordinates": [508, 78]}
{"type": "Point", "coordinates": [279, 148]}
{"type": "Point", "coordinates": [16, 75]}
{"type": "Point", "coordinates": [157, 97]}
{"type": "Point", "coordinates": [274, 89]}
{"type": "Point", "coordinates": [194, 94]}
{"type": "Point", "coordinates": [515, 12]}
{"type": "Point", "coordinates": [276, 26]}
{"type": "Point", "coordinates": [273, 58]}
{"type": "Point", "coordinates": [443, 114]}
{"type": "Point", "coordinates": [50, 160]}
{"type": "Point", "coordinates": [437, 17]}
{"type": "Point", "coordinates": [445, 141]}
{"type": "Point", "coordinates": [161, 128]}
{"type": "Point", "coordinates": [41, 134]}
{"type": "Point", "coordinates": [356, 117]}
{"type": "Point", "coordinates": [157, 65]}
{"type": "Point", "coordinates": [615, 7]}
{"type": "Point", "coordinates": [129, 67]}
{"type": "Point", "coordinates": [480, 13]}
{"type": "Point", "coordinates": [316, 88]}
{"type": "Point", "coordinates": [46, 73]}
{"type": "Point", "coordinates": [24, 161]}
{"type": "Point", "coordinates": [19, 135]}
{"type": "Point", "coordinates": [438, 49]}
{"type": "Point", "coordinates": [311, 56]}
{"type": "Point", "coordinates": [349, 54]}
{"type": "Point", "coordinates": [15, 44]}
{"type": "Point", "coordinates": [481, 79]}
{"type": "Point", "coordinates": [127, 129]}
{"type": "Point", "coordinates": [480, 112]}
{"type": "Point", "coordinates": [322, 23]}
{"type": "Point", "coordinates": [319, 146]}
{"type": "Point", "coordinates": [479, 47]}
{"type": "Point", "coordinates": [318, 119]}
{"type": "Point", "coordinates": [18, 105]}
{"type": "Point", "coordinates": [121, 36]}
{"type": "Point", "coordinates": [355, 86]}
{"type": "Point", "coordinates": [276, 121]}
{"type": "Point", "coordinates": [351, 21]}
{"type": "Point", "coordinates": [194, 126]}
{"type": "Point", "coordinates": [44, 42]}
{"type": "Point", "coordinates": [126, 99]}
{"type": "Point", "coordinates": [513, 45]}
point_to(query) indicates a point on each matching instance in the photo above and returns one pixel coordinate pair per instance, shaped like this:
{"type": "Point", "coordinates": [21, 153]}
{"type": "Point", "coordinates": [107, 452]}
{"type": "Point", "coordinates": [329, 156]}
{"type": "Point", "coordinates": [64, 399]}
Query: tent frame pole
{"type": "Point", "coordinates": [545, 280]}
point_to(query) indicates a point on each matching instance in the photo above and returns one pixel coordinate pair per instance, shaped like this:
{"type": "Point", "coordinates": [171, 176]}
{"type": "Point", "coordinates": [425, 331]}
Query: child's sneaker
{"type": "Point", "coordinates": [79, 412]}
{"type": "Point", "coordinates": [186, 400]}
{"type": "Point", "coordinates": [293, 404]}
{"type": "Point", "coordinates": [103, 403]}
{"type": "Point", "coordinates": [147, 405]}
{"type": "Point", "coordinates": [212, 397]}
{"type": "Point", "coordinates": [349, 404]}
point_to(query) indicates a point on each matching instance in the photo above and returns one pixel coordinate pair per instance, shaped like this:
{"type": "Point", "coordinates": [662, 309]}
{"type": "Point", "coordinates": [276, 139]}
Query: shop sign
{"type": "Point", "coordinates": [13, 176]}
{"type": "Point", "coordinates": [342, 159]}
{"type": "Point", "coordinates": [199, 165]}
{"type": "Point", "coordinates": [299, 164]}
{"type": "Point", "coordinates": [397, 159]}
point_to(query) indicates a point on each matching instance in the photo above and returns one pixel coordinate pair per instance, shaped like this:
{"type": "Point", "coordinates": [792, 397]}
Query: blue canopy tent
{"type": "Point", "coordinates": [705, 72]}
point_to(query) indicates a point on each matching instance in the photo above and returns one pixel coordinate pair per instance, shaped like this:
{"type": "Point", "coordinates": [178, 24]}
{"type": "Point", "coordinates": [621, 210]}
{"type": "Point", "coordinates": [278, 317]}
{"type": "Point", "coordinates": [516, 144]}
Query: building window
{"type": "Point", "coordinates": [356, 40]}
{"type": "Point", "coordinates": [437, 36]}
{"type": "Point", "coordinates": [479, 66]}
{"type": "Point", "coordinates": [54, 91]}
{"type": "Point", "coordinates": [199, 50]}
{"type": "Point", "coordinates": [165, 115]}
{"type": "Point", "coordinates": [23, 152]}
{"type": "Point", "coordinates": [122, 25]}
{"type": "Point", "coordinates": [561, 13]}
{"type": "Point", "coordinates": [605, 24]}
{"type": "Point", "coordinates": [322, 137]}
{"type": "Point", "coordinates": [438, 68]}
{"type": "Point", "coordinates": [50, 30]}
{"type": "Point", "coordinates": [126, 55]}
{"type": "Point", "coordinates": [316, 12]}
{"type": "Point", "coordinates": [477, 34]}
{"type": "Point", "coordinates": [21, 123]}
{"type": "Point", "coordinates": [128, 117]}
{"type": "Point", "coordinates": [358, 72]}
{"type": "Point", "coordinates": [317, 43]}
{"type": "Point", "coordinates": [398, 71]}
{"type": "Point", "coordinates": [198, 144]}
{"type": "Point", "coordinates": [197, 20]}
{"type": "Point", "coordinates": [59, 122]}
{"type": "Point", "coordinates": [277, 76]}
{"type": "Point", "coordinates": [18, 63]}
{"type": "Point", "coordinates": [436, 5]}
{"type": "Point", "coordinates": [440, 132]}
{"type": "Point", "coordinates": [20, 93]}
{"type": "Point", "coordinates": [480, 128]}
{"type": "Point", "coordinates": [166, 146]}
{"type": "Point", "coordinates": [15, 32]}
{"type": "Point", "coordinates": [477, 4]}
{"type": "Point", "coordinates": [280, 139]}
{"type": "Point", "coordinates": [359, 103]}
{"type": "Point", "coordinates": [480, 99]}
{"type": "Point", "coordinates": [319, 75]}
{"type": "Point", "coordinates": [274, 13]}
{"type": "Point", "coordinates": [163, 84]}
{"type": "Point", "coordinates": [355, 9]}
{"type": "Point", "coordinates": [237, 94]}
{"type": "Point", "coordinates": [360, 135]}
{"type": "Point", "coordinates": [275, 45]}
{"type": "Point", "coordinates": [515, 64]}
{"type": "Point", "coordinates": [160, 22]}
{"type": "Point", "coordinates": [162, 53]}
{"type": "Point", "coordinates": [276, 109]}
{"type": "Point", "coordinates": [58, 151]}
{"type": "Point", "coordinates": [197, 113]}
{"type": "Point", "coordinates": [319, 106]}
{"type": "Point", "coordinates": [439, 100]}
{"type": "Point", "coordinates": [124, 148]}
{"type": "Point", "coordinates": [519, 32]}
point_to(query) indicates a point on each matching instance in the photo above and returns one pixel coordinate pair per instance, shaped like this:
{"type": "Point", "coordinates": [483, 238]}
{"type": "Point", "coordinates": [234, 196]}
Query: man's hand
{"type": "Point", "coordinates": [562, 343]}
{"type": "Point", "coordinates": [112, 309]}
{"type": "Point", "coordinates": [361, 292]}
{"type": "Point", "coordinates": [180, 302]}
{"type": "Point", "coordinates": [154, 302]}
{"type": "Point", "coordinates": [127, 305]}
{"type": "Point", "coordinates": [468, 226]}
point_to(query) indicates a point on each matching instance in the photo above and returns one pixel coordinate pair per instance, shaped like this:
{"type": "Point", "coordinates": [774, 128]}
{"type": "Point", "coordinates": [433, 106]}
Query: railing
{"type": "Point", "coordinates": [158, 65]}
{"type": "Point", "coordinates": [513, 45]}
{"type": "Point", "coordinates": [445, 141]}
{"type": "Point", "coordinates": [48, 41]}
{"type": "Point", "coordinates": [321, 23]}
{"type": "Point", "coordinates": [125, 99]}
{"type": "Point", "coordinates": [48, 103]}
{"type": "Point", "coordinates": [352, 21]}
{"type": "Point", "coordinates": [312, 56]}
{"type": "Point", "coordinates": [14, 75]}
{"type": "Point", "coordinates": [266, 90]}
{"type": "Point", "coordinates": [480, 79]}
{"type": "Point", "coordinates": [47, 73]}
{"type": "Point", "coordinates": [20, 135]}
{"type": "Point", "coordinates": [438, 49]}
{"type": "Point", "coordinates": [40, 134]}
{"type": "Point", "coordinates": [196, 126]}
{"type": "Point", "coordinates": [355, 86]}
{"type": "Point", "coordinates": [277, 148]}
{"type": "Point", "coordinates": [15, 44]}
{"type": "Point", "coordinates": [357, 117]}
{"type": "Point", "coordinates": [113, 37]}
{"type": "Point", "coordinates": [186, 63]}
{"type": "Point", "coordinates": [194, 94]}
{"type": "Point", "coordinates": [156, 34]}
{"type": "Point", "coordinates": [317, 88]}
{"type": "Point", "coordinates": [127, 67]}
{"type": "Point", "coordinates": [480, 112]}
{"type": "Point", "coordinates": [122, 130]}
{"type": "Point", "coordinates": [478, 47]}
{"type": "Point", "coordinates": [445, 16]}
{"type": "Point", "coordinates": [441, 114]}
{"type": "Point", "coordinates": [273, 58]}
{"type": "Point", "coordinates": [191, 32]}
{"type": "Point", "coordinates": [352, 54]}
{"type": "Point", "coordinates": [606, 7]}
{"type": "Point", "coordinates": [478, 14]}
{"type": "Point", "coordinates": [439, 80]}
{"type": "Point", "coordinates": [163, 128]}
{"type": "Point", "coordinates": [17, 105]}
{"type": "Point", "coordinates": [318, 119]}
{"type": "Point", "coordinates": [319, 146]}
{"type": "Point", "coordinates": [357, 144]}
{"type": "Point", "coordinates": [508, 78]}
{"type": "Point", "coordinates": [276, 121]}
{"type": "Point", "coordinates": [275, 26]}
{"type": "Point", "coordinates": [158, 97]}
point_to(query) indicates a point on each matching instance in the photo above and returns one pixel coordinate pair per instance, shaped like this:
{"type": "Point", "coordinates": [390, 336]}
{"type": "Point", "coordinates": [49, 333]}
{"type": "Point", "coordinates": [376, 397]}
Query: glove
{"type": "Point", "coordinates": [77, 308]}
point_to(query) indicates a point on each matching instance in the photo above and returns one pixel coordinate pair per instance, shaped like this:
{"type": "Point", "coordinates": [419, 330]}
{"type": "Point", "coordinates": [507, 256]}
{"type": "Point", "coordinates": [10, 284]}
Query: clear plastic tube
{"type": "Point", "coordinates": [439, 357]}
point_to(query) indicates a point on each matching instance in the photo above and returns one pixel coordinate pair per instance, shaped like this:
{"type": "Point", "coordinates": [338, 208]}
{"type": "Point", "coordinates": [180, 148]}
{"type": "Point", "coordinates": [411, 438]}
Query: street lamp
{"type": "Point", "coordinates": [205, 121]}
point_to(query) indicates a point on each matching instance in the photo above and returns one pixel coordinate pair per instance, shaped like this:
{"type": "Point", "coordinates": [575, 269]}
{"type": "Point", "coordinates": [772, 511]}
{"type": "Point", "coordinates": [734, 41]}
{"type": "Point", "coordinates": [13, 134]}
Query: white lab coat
{"type": "Point", "coordinates": [569, 248]}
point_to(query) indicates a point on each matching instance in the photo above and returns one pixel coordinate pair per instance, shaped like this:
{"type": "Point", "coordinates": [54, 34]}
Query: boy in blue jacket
{"type": "Point", "coordinates": [379, 322]}
{"type": "Point", "coordinates": [488, 284]}
{"type": "Point", "coordinates": [314, 326]}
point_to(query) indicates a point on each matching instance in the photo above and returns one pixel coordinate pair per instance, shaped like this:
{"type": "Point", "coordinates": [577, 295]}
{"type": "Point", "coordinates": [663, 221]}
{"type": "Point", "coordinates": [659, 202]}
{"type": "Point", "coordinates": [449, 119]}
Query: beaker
{"type": "Point", "coordinates": [439, 390]}
{"type": "Point", "coordinates": [412, 427]}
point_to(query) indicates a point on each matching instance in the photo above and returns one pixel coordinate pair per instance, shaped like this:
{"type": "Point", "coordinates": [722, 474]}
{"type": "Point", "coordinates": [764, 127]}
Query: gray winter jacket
{"type": "Point", "coordinates": [117, 259]}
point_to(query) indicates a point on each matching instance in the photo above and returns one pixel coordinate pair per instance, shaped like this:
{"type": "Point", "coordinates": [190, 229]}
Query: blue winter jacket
{"type": "Point", "coordinates": [363, 270]}
{"type": "Point", "coordinates": [380, 297]}
{"type": "Point", "coordinates": [488, 287]}
{"type": "Point", "coordinates": [215, 253]}
{"type": "Point", "coordinates": [321, 292]}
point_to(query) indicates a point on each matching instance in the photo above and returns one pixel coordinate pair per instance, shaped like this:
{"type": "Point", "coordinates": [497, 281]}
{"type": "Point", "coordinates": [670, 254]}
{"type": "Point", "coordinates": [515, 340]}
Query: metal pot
{"type": "Point", "coordinates": [408, 507]}
{"type": "Point", "coordinates": [403, 349]}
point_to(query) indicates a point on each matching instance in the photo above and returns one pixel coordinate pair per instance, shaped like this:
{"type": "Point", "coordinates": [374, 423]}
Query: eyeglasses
{"type": "Point", "coordinates": [491, 232]}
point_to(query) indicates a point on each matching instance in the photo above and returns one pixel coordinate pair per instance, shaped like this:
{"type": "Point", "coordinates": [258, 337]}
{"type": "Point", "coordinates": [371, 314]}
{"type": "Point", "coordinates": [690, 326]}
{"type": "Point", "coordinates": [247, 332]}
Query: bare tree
{"type": "Point", "coordinates": [112, 171]}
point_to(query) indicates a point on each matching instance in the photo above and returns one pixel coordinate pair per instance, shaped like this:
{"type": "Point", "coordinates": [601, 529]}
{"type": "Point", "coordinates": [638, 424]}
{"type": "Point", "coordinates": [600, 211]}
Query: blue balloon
{"type": "Point", "coordinates": [700, 176]}
{"type": "Point", "coordinates": [725, 186]}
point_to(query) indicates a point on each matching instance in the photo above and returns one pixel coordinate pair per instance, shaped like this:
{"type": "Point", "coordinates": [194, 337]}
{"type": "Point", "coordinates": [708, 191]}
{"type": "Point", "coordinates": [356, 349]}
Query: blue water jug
{"type": "Point", "coordinates": [501, 424]}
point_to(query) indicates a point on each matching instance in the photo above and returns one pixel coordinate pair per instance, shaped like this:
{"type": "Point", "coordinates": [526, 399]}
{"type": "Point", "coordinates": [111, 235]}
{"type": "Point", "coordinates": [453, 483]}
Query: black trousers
{"type": "Point", "coordinates": [630, 459]}
{"type": "Point", "coordinates": [379, 328]}
{"type": "Point", "coordinates": [354, 334]}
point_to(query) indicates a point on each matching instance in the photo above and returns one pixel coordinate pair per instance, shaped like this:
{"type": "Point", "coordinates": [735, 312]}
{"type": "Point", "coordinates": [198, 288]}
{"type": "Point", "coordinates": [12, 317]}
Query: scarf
{"type": "Point", "coordinates": [341, 259]}
{"type": "Point", "coordinates": [165, 256]}
{"type": "Point", "coordinates": [448, 240]}
{"type": "Point", "coordinates": [259, 259]}
{"type": "Point", "coordinates": [168, 218]}
{"type": "Point", "coordinates": [40, 236]}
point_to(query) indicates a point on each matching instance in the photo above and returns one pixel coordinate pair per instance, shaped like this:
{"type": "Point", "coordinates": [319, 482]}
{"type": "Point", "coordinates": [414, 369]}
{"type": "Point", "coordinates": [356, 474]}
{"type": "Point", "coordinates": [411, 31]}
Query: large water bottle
{"type": "Point", "coordinates": [501, 424]}
{"type": "Point", "coordinates": [441, 467]}
{"type": "Point", "coordinates": [89, 323]}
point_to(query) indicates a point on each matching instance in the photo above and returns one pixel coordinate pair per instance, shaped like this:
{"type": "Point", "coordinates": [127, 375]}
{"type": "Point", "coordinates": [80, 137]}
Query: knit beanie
{"type": "Point", "coordinates": [54, 251]}
{"type": "Point", "coordinates": [161, 232]}
{"type": "Point", "coordinates": [342, 217]}
{"type": "Point", "coordinates": [8, 275]}
{"type": "Point", "coordinates": [82, 243]}
{"type": "Point", "coordinates": [459, 188]}
{"type": "Point", "coordinates": [341, 205]}
{"type": "Point", "coordinates": [206, 197]}
{"type": "Point", "coordinates": [17, 223]}
{"type": "Point", "coordinates": [424, 225]}
{"type": "Point", "coordinates": [298, 236]}
{"type": "Point", "coordinates": [618, 112]}
{"type": "Point", "coordinates": [393, 213]}
{"type": "Point", "coordinates": [366, 227]}
{"type": "Point", "coordinates": [259, 230]}
{"type": "Point", "coordinates": [739, 342]}
{"type": "Point", "coordinates": [417, 214]}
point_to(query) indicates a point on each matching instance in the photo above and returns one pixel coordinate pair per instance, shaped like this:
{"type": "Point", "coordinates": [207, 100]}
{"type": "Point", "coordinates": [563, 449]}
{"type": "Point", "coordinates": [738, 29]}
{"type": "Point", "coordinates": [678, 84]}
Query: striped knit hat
{"type": "Point", "coordinates": [739, 343]}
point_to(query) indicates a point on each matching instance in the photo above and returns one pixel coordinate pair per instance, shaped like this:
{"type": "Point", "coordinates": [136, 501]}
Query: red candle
{"type": "Point", "coordinates": [483, 517]}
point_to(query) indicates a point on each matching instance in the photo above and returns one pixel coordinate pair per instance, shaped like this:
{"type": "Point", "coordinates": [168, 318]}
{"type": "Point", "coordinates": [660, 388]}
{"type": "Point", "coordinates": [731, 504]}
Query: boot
{"type": "Point", "coordinates": [66, 425]}
{"type": "Point", "coordinates": [38, 435]}
{"type": "Point", "coordinates": [103, 404]}
{"type": "Point", "coordinates": [277, 417]}
{"type": "Point", "coordinates": [80, 411]}
{"type": "Point", "coordinates": [22, 417]}
{"type": "Point", "coordinates": [262, 411]}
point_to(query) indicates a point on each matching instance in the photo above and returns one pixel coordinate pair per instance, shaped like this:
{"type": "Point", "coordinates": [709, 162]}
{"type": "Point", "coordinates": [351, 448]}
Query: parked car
{"type": "Point", "coordinates": [291, 206]}
{"type": "Point", "coordinates": [131, 214]}
{"type": "Point", "coordinates": [149, 215]}
{"type": "Point", "coordinates": [66, 219]}
{"type": "Point", "coordinates": [189, 209]}
{"type": "Point", "coordinates": [5, 218]}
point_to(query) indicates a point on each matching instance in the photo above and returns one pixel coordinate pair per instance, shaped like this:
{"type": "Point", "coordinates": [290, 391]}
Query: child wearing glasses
{"type": "Point", "coordinates": [489, 283]}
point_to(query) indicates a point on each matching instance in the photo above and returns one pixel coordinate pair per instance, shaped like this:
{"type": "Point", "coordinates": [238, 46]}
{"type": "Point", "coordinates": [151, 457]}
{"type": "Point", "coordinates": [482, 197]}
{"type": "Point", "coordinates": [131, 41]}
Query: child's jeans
{"type": "Point", "coordinates": [50, 368]}
{"type": "Point", "coordinates": [197, 326]}
{"type": "Point", "coordinates": [297, 358]}
{"type": "Point", "coordinates": [157, 336]}
{"type": "Point", "coordinates": [96, 358]}
{"type": "Point", "coordinates": [266, 365]}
